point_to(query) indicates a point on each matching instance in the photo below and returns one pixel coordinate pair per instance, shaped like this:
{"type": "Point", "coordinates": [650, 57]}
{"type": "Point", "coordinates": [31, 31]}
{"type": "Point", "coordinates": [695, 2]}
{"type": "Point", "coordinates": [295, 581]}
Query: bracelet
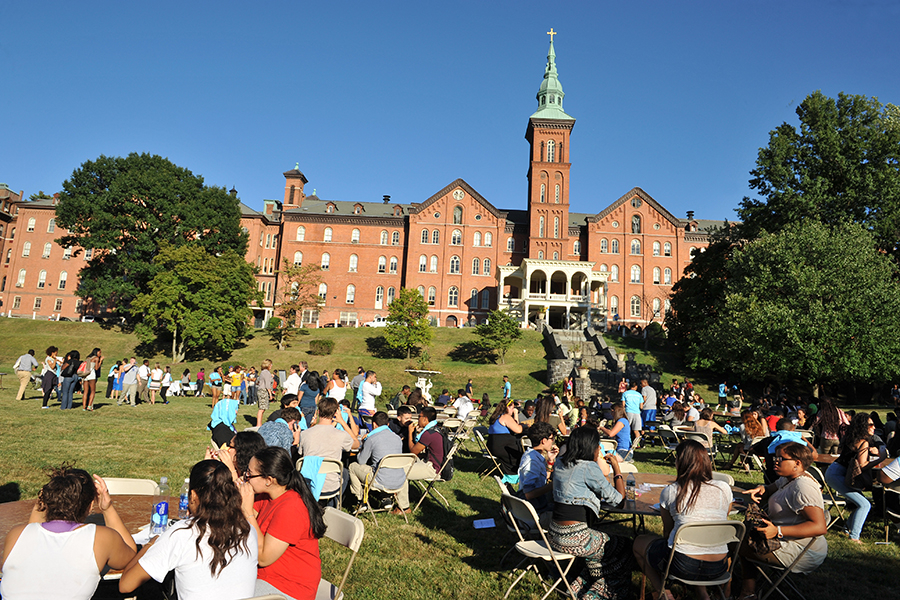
{"type": "Point", "coordinates": [618, 475]}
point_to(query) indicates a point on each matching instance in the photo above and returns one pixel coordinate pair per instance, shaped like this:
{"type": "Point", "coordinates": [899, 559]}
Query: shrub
{"type": "Point", "coordinates": [321, 347]}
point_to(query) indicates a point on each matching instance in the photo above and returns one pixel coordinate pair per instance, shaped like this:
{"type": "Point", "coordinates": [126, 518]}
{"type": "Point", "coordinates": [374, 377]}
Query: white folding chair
{"type": "Point", "coordinates": [627, 467]}
{"type": "Point", "coordinates": [521, 512]}
{"type": "Point", "coordinates": [135, 487]}
{"type": "Point", "coordinates": [428, 489]}
{"type": "Point", "coordinates": [723, 477]}
{"type": "Point", "coordinates": [402, 462]}
{"type": "Point", "coordinates": [608, 446]}
{"type": "Point", "coordinates": [891, 508]}
{"type": "Point", "coordinates": [329, 465]}
{"type": "Point", "coordinates": [785, 572]}
{"type": "Point", "coordinates": [669, 440]}
{"type": "Point", "coordinates": [348, 531]}
{"type": "Point", "coordinates": [707, 534]}
{"type": "Point", "coordinates": [829, 497]}
{"type": "Point", "coordinates": [486, 453]}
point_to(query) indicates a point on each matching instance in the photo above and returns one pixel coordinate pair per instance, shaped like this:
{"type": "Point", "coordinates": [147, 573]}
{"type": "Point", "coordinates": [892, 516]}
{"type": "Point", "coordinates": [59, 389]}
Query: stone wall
{"type": "Point", "coordinates": [559, 369]}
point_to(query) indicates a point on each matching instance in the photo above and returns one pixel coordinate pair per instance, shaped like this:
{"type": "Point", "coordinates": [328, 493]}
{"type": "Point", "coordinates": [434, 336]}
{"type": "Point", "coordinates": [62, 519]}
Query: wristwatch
{"type": "Point", "coordinates": [779, 535]}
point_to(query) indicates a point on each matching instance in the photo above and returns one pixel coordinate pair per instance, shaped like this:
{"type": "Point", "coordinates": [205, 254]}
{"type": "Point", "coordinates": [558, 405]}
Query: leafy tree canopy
{"type": "Point", "coordinates": [198, 300]}
{"type": "Point", "coordinates": [125, 208]}
{"type": "Point", "coordinates": [408, 327]}
{"type": "Point", "coordinates": [813, 302]}
{"type": "Point", "coordinates": [499, 333]}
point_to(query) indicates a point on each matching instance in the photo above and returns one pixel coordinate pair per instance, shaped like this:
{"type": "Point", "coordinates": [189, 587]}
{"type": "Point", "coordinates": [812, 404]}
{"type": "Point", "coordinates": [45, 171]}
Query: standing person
{"type": "Point", "coordinates": [215, 384]}
{"type": "Point", "coordinates": [155, 383]}
{"type": "Point", "coordinates": [214, 553]}
{"type": "Point", "coordinates": [288, 523]}
{"type": "Point", "coordinates": [251, 386]}
{"type": "Point", "coordinates": [69, 378]}
{"type": "Point", "coordinates": [354, 386]}
{"type": "Point", "coordinates": [368, 390]}
{"type": "Point", "coordinates": [723, 395]}
{"type": "Point", "coordinates": [469, 389]}
{"type": "Point", "coordinates": [49, 379]}
{"type": "Point", "coordinates": [309, 397]}
{"type": "Point", "coordinates": [110, 381]}
{"type": "Point", "coordinates": [128, 372]}
{"type": "Point", "coordinates": [569, 388]}
{"type": "Point", "coordinates": [95, 361]}
{"type": "Point", "coordinates": [23, 367]}
{"type": "Point", "coordinates": [855, 458]}
{"type": "Point", "coordinates": [337, 388]}
{"type": "Point", "coordinates": [829, 420]}
{"type": "Point", "coordinates": [634, 402]}
{"type": "Point", "coordinates": [237, 381]}
{"type": "Point", "coordinates": [165, 385]}
{"type": "Point", "coordinates": [201, 381]}
{"type": "Point", "coordinates": [186, 382]}
{"type": "Point", "coordinates": [116, 372]}
{"type": "Point", "coordinates": [293, 381]}
{"type": "Point", "coordinates": [143, 381]}
{"type": "Point", "coordinates": [265, 382]}
{"type": "Point", "coordinates": [507, 389]}
{"type": "Point", "coordinates": [579, 488]}
{"type": "Point", "coordinates": [623, 386]}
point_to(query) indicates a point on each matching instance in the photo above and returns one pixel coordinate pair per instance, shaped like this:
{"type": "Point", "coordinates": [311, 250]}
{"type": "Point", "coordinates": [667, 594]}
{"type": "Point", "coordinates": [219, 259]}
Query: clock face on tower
{"type": "Point", "coordinates": [459, 194]}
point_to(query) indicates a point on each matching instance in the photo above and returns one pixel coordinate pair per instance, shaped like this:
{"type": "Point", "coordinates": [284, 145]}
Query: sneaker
{"type": "Point", "coordinates": [43, 407]}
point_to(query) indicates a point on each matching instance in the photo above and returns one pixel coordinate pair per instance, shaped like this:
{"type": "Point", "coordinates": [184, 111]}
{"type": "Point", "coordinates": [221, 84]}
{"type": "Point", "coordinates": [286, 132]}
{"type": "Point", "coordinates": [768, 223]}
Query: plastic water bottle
{"type": "Point", "coordinates": [630, 488]}
{"type": "Point", "coordinates": [160, 518]}
{"type": "Point", "coordinates": [183, 511]}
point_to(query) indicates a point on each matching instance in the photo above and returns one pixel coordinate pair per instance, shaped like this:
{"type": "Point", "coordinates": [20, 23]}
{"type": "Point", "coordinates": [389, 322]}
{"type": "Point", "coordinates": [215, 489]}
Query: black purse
{"type": "Point", "coordinates": [756, 539]}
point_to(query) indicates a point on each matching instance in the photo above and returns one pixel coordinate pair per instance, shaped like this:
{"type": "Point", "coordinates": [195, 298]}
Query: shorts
{"type": "Point", "coordinates": [262, 396]}
{"type": "Point", "coordinates": [683, 566]}
{"type": "Point", "coordinates": [153, 385]}
{"type": "Point", "coordinates": [635, 421]}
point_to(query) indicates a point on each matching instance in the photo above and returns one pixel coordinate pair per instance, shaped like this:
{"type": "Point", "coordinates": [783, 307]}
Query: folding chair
{"type": "Point", "coordinates": [426, 490]}
{"type": "Point", "coordinates": [329, 465]}
{"type": "Point", "coordinates": [508, 518]}
{"type": "Point", "coordinates": [463, 433]}
{"type": "Point", "coordinates": [828, 495]}
{"type": "Point", "coordinates": [706, 534]}
{"type": "Point", "coordinates": [450, 411]}
{"type": "Point", "coordinates": [488, 456]}
{"type": "Point", "coordinates": [891, 508]}
{"type": "Point", "coordinates": [451, 425]}
{"type": "Point", "coordinates": [608, 446]}
{"type": "Point", "coordinates": [627, 467]}
{"type": "Point", "coordinates": [534, 550]}
{"type": "Point", "coordinates": [669, 440]}
{"type": "Point", "coordinates": [723, 477]}
{"type": "Point", "coordinates": [135, 487]}
{"type": "Point", "coordinates": [785, 573]}
{"type": "Point", "coordinates": [389, 461]}
{"type": "Point", "coordinates": [704, 439]}
{"type": "Point", "coordinates": [347, 531]}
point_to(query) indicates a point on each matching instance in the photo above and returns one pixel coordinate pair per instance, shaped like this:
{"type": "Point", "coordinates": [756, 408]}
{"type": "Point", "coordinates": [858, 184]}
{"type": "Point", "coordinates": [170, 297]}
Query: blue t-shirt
{"type": "Point", "coordinates": [633, 400]}
{"type": "Point", "coordinates": [507, 390]}
{"type": "Point", "coordinates": [723, 390]}
{"type": "Point", "coordinates": [623, 438]}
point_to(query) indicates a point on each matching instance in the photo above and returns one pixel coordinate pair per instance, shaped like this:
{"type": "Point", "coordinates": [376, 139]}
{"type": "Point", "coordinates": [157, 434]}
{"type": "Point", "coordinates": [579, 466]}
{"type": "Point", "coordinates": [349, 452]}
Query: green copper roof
{"type": "Point", "coordinates": [550, 95]}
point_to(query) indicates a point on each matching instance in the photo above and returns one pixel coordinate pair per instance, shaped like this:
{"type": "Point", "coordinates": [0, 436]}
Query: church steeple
{"type": "Point", "coordinates": [550, 95]}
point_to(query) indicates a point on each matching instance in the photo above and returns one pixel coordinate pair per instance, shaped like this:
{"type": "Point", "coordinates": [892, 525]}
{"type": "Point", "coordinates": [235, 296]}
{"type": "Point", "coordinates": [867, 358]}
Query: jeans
{"type": "Point", "coordinates": [835, 478]}
{"type": "Point", "coordinates": [67, 392]}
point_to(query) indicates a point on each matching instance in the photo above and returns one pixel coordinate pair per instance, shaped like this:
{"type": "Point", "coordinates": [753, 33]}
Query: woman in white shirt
{"type": "Point", "coordinates": [695, 496]}
{"type": "Point", "coordinates": [155, 383]}
{"type": "Point", "coordinates": [213, 553]}
{"type": "Point", "coordinates": [336, 388]}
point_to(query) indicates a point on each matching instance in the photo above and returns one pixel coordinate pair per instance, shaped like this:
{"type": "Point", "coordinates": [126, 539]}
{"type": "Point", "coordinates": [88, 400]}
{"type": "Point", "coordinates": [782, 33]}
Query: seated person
{"type": "Point", "coordinates": [775, 414]}
{"type": "Point", "coordinates": [401, 426]}
{"type": "Point", "coordinates": [463, 404]}
{"type": "Point", "coordinates": [675, 417]}
{"type": "Point", "coordinates": [526, 415]}
{"type": "Point", "coordinates": [443, 399]}
{"type": "Point", "coordinates": [424, 440]}
{"type": "Point", "coordinates": [502, 440]}
{"type": "Point", "coordinates": [284, 431]}
{"type": "Point", "coordinates": [766, 447]}
{"type": "Point", "coordinates": [706, 425]}
{"type": "Point", "coordinates": [327, 441]}
{"type": "Point", "coordinates": [534, 479]}
{"type": "Point", "coordinates": [621, 430]}
{"type": "Point", "coordinates": [286, 400]}
{"type": "Point", "coordinates": [400, 398]}
{"type": "Point", "coordinates": [236, 456]}
{"type": "Point", "coordinates": [378, 444]}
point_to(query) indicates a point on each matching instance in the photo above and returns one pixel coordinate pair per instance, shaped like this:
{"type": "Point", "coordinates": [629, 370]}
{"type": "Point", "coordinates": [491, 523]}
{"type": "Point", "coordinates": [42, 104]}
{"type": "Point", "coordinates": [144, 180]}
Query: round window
{"type": "Point", "coordinates": [656, 226]}
{"type": "Point", "coordinates": [477, 217]}
{"type": "Point", "coordinates": [615, 223]}
{"type": "Point", "coordinates": [437, 215]}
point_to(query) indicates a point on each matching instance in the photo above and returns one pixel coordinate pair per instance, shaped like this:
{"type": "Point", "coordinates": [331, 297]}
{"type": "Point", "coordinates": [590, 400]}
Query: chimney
{"type": "Point", "coordinates": [232, 191]}
{"type": "Point", "coordinates": [386, 198]}
{"type": "Point", "coordinates": [690, 215]}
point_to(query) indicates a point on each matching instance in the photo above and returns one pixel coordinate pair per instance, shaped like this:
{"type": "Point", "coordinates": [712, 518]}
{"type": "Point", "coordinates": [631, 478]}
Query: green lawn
{"type": "Point", "coordinates": [438, 555]}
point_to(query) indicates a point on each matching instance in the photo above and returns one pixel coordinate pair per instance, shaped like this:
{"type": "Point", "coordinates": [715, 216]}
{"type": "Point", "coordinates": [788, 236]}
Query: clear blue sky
{"type": "Point", "coordinates": [402, 98]}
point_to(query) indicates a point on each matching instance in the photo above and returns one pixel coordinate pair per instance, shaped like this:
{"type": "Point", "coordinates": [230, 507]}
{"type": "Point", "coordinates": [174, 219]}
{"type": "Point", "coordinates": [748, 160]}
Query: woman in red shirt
{"type": "Point", "coordinates": [288, 523]}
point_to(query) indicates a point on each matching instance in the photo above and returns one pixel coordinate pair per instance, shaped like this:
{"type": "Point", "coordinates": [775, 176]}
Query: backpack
{"type": "Point", "coordinates": [85, 368]}
{"type": "Point", "coordinates": [447, 473]}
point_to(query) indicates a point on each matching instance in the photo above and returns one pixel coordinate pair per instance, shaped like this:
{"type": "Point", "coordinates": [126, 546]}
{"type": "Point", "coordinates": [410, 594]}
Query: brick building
{"type": "Point", "coordinates": [462, 253]}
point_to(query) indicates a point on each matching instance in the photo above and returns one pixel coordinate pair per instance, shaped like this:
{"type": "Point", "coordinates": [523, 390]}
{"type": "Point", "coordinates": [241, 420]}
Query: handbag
{"type": "Point", "coordinates": [85, 368]}
{"type": "Point", "coordinates": [756, 539]}
{"type": "Point", "coordinates": [857, 478]}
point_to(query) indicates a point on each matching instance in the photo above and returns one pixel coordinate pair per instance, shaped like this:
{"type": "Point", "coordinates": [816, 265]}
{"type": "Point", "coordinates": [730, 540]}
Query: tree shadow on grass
{"type": "Point", "coordinates": [472, 352]}
{"type": "Point", "coordinates": [10, 492]}
{"type": "Point", "coordinates": [379, 348]}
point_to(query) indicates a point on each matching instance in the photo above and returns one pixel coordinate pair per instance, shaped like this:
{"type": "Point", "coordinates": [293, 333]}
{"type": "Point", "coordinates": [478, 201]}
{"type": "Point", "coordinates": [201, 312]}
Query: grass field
{"type": "Point", "coordinates": [438, 555]}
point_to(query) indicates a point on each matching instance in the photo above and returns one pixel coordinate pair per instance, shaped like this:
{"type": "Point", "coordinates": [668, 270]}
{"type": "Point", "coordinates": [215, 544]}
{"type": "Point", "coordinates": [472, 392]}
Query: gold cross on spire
{"type": "Point", "coordinates": [551, 33]}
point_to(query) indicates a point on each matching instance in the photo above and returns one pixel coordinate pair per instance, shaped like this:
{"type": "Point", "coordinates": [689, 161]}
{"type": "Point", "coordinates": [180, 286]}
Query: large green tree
{"type": "Point", "coordinates": [197, 299]}
{"type": "Point", "coordinates": [813, 302]}
{"type": "Point", "coordinates": [499, 333]}
{"type": "Point", "coordinates": [125, 208]}
{"type": "Point", "coordinates": [408, 327]}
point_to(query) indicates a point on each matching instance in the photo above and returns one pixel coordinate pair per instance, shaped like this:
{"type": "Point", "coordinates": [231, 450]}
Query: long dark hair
{"type": "Point", "coordinates": [693, 470]}
{"type": "Point", "coordinates": [246, 444]}
{"type": "Point", "coordinates": [857, 431]}
{"type": "Point", "coordinates": [543, 408]}
{"type": "Point", "coordinates": [275, 462]}
{"type": "Point", "coordinates": [828, 419]}
{"type": "Point", "coordinates": [583, 444]}
{"type": "Point", "coordinates": [68, 495]}
{"type": "Point", "coordinates": [499, 411]}
{"type": "Point", "coordinates": [219, 512]}
{"type": "Point", "coordinates": [312, 381]}
{"type": "Point", "coordinates": [618, 411]}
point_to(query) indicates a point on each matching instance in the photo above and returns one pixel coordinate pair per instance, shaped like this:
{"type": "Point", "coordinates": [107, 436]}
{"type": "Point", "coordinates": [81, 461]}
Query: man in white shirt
{"type": "Point", "coordinates": [24, 366]}
{"type": "Point", "coordinates": [293, 381]}
{"type": "Point", "coordinates": [463, 404]}
{"type": "Point", "coordinates": [143, 377]}
{"type": "Point", "coordinates": [368, 390]}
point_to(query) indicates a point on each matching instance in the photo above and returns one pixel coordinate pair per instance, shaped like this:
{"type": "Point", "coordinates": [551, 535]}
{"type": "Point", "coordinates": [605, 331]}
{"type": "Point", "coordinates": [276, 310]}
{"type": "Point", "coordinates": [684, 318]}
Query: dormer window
{"type": "Point", "coordinates": [398, 211]}
{"type": "Point", "coordinates": [357, 209]}
{"type": "Point", "coordinates": [329, 208]}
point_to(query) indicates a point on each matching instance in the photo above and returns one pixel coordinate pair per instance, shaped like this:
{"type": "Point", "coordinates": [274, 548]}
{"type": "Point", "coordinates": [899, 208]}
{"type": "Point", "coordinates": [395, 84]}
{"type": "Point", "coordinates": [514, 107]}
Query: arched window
{"type": "Point", "coordinates": [477, 239]}
{"type": "Point", "coordinates": [390, 296]}
{"type": "Point", "coordinates": [453, 296]}
{"type": "Point", "coordinates": [395, 238]}
{"type": "Point", "coordinates": [604, 268]}
{"type": "Point", "coordinates": [424, 236]}
{"type": "Point", "coordinates": [488, 239]}
{"type": "Point", "coordinates": [457, 215]}
{"type": "Point", "coordinates": [667, 249]}
{"type": "Point", "coordinates": [635, 274]}
{"type": "Point", "coordinates": [382, 264]}
{"type": "Point", "coordinates": [30, 224]}
{"type": "Point", "coordinates": [67, 253]}
{"type": "Point", "coordinates": [433, 267]}
{"type": "Point", "coordinates": [354, 236]}
{"type": "Point", "coordinates": [656, 307]}
{"type": "Point", "coordinates": [454, 264]}
{"type": "Point", "coordinates": [21, 280]}
{"type": "Point", "coordinates": [636, 306]}
{"type": "Point", "coordinates": [636, 224]}
{"type": "Point", "coordinates": [384, 238]}
{"type": "Point", "coordinates": [26, 249]}
{"type": "Point", "coordinates": [42, 279]}
{"type": "Point", "coordinates": [556, 227]}
{"type": "Point", "coordinates": [510, 245]}
{"type": "Point", "coordinates": [614, 273]}
{"type": "Point", "coordinates": [668, 306]}
{"type": "Point", "coordinates": [432, 296]}
{"type": "Point", "coordinates": [556, 256]}
{"type": "Point", "coordinates": [326, 261]}
{"type": "Point", "coordinates": [476, 266]}
{"type": "Point", "coordinates": [354, 263]}
{"type": "Point", "coordinates": [540, 255]}
{"type": "Point", "coordinates": [556, 195]}
{"type": "Point", "coordinates": [12, 233]}
{"type": "Point", "coordinates": [393, 265]}
{"type": "Point", "coordinates": [635, 246]}
{"type": "Point", "coordinates": [543, 192]}
{"type": "Point", "coordinates": [379, 296]}
{"type": "Point", "coordinates": [456, 238]}
{"type": "Point", "coordinates": [323, 291]}
{"type": "Point", "coordinates": [51, 226]}
{"type": "Point", "coordinates": [63, 276]}
{"type": "Point", "coordinates": [614, 305]}
{"type": "Point", "coordinates": [423, 263]}
{"type": "Point", "coordinates": [656, 275]}
{"type": "Point", "coordinates": [473, 298]}
{"type": "Point", "coordinates": [667, 276]}
{"type": "Point", "coordinates": [298, 258]}
{"type": "Point", "coordinates": [88, 254]}
{"type": "Point", "coordinates": [47, 248]}
{"type": "Point", "coordinates": [604, 246]}
{"type": "Point", "coordinates": [541, 227]}
{"type": "Point", "coordinates": [328, 234]}
{"type": "Point", "coordinates": [487, 266]}
{"type": "Point", "coordinates": [351, 293]}
{"type": "Point", "coordinates": [614, 247]}
{"type": "Point", "coordinates": [692, 251]}
{"type": "Point", "coordinates": [435, 237]}
{"type": "Point", "coordinates": [301, 233]}
{"type": "Point", "coordinates": [576, 248]}
{"type": "Point", "coordinates": [485, 298]}
{"type": "Point", "coordinates": [421, 290]}
{"type": "Point", "coordinates": [551, 151]}
{"type": "Point", "coordinates": [655, 248]}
